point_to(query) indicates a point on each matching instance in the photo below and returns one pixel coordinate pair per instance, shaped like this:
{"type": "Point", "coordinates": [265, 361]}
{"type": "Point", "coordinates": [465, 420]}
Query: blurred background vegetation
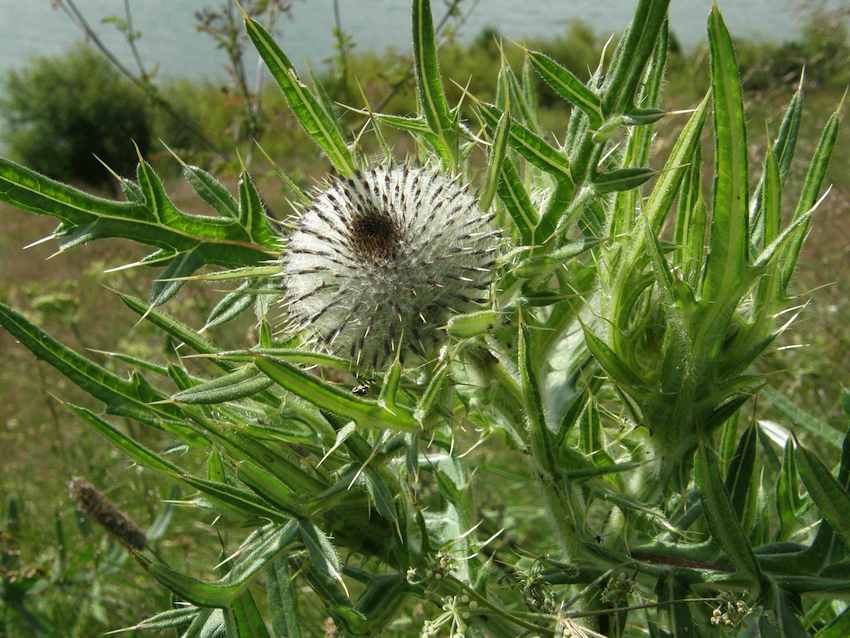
{"type": "Point", "coordinates": [68, 115]}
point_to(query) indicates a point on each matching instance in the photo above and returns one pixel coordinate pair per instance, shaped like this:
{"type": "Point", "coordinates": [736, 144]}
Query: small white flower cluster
{"type": "Point", "coordinates": [443, 565]}
{"type": "Point", "coordinates": [569, 628]}
{"type": "Point", "coordinates": [329, 628]}
{"type": "Point", "coordinates": [384, 256]}
{"type": "Point", "coordinates": [730, 613]}
{"type": "Point", "coordinates": [618, 588]}
{"type": "Point", "coordinates": [456, 614]}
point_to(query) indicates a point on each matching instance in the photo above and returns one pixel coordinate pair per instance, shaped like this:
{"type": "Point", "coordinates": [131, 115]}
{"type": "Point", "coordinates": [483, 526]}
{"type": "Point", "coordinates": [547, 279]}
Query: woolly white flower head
{"type": "Point", "coordinates": [392, 251]}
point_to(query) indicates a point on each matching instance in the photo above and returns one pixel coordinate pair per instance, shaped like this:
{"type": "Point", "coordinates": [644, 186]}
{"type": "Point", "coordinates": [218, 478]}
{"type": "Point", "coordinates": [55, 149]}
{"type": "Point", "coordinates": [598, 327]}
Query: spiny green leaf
{"type": "Point", "coordinates": [637, 149]}
{"type": "Point", "coordinates": [216, 470]}
{"type": "Point", "coordinates": [531, 146]}
{"type": "Point", "coordinates": [245, 382]}
{"type": "Point", "coordinates": [243, 619]}
{"type": "Point", "coordinates": [474, 323]}
{"type": "Point", "coordinates": [664, 276]}
{"type": "Point", "coordinates": [170, 619]}
{"type": "Point", "coordinates": [242, 445]}
{"type": "Point", "coordinates": [722, 518]}
{"type": "Point", "coordinates": [248, 272]}
{"type": "Point", "coordinates": [787, 492]}
{"type": "Point", "coordinates": [208, 624]}
{"type": "Point", "coordinates": [252, 213]}
{"type": "Point", "coordinates": [783, 150]}
{"type": "Point", "coordinates": [175, 328]}
{"type": "Point", "coordinates": [621, 179]}
{"type": "Point", "coordinates": [729, 243]}
{"type": "Point", "coordinates": [136, 451]}
{"type": "Point", "coordinates": [620, 372]}
{"type": "Point", "coordinates": [689, 191]}
{"type": "Point", "coordinates": [591, 439]}
{"type": "Point", "coordinates": [183, 265]}
{"type": "Point", "coordinates": [517, 201]}
{"type": "Point", "coordinates": [282, 599]}
{"type": "Point", "coordinates": [529, 94]}
{"type": "Point", "coordinates": [236, 499]}
{"type": "Point", "coordinates": [432, 98]}
{"type": "Point", "coordinates": [578, 133]}
{"type": "Point", "coordinates": [563, 208]}
{"type": "Point", "coordinates": [518, 98]}
{"type": "Point", "coordinates": [542, 265]}
{"type": "Point", "coordinates": [772, 198]}
{"type": "Point", "coordinates": [568, 86]}
{"type": "Point", "coordinates": [409, 124]}
{"type": "Point", "coordinates": [317, 122]}
{"type": "Point", "coordinates": [666, 186]}
{"type": "Point", "coordinates": [322, 553]}
{"type": "Point", "coordinates": [331, 398]}
{"type": "Point", "coordinates": [831, 498]}
{"type": "Point", "coordinates": [270, 488]}
{"type": "Point", "coordinates": [392, 382]}
{"type": "Point", "coordinates": [120, 395]}
{"type": "Point", "coordinates": [230, 306]}
{"type": "Point", "coordinates": [766, 257]}
{"type": "Point", "coordinates": [306, 357]}
{"type": "Point", "coordinates": [433, 391]}
{"type": "Point", "coordinates": [771, 204]}
{"type": "Point", "coordinates": [256, 552]}
{"type": "Point", "coordinates": [648, 22]}
{"type": "Point", "coordinates": [211, 191]}
{"type": "Point", "coordinates": [494, 163]}
{"type": "Point", "coordinates": [811, 191]}
{"type": "Point", "coordinates": [541, 437]}
{"type": "Point", "coordinates": [154, 221]}
{"type": "Point", "coordinates": [740, 475]}
{"type": "Point", "coordinates": [786, 139]}
{"type": "Point", "coordinates": [695, 247]}
{"type": "Point", "coordinates": [420, 129]}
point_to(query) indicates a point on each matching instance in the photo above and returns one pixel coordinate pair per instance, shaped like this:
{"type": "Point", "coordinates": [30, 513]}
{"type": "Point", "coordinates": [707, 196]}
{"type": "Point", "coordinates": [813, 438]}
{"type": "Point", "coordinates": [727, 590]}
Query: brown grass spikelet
{"type": "Point", "coordinates": [97, 506]}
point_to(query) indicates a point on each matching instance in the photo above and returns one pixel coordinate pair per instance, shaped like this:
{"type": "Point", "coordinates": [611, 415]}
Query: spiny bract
{"type": "Point", "coordinates": [392, 251]}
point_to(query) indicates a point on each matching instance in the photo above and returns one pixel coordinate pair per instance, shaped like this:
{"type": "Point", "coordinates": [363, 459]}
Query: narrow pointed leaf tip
{"type": "Point", "coordinates": [185, 242]}
{"type": "Point", "coordinates": [432, 98]}
{"type": "Point", "coordinates": [729, 243]}
{"type": "Point", "coordinates": [319, 123]}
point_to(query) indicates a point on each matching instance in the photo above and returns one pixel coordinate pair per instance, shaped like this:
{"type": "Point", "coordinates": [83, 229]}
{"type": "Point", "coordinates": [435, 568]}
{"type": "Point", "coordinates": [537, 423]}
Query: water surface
{"type": "Point", "coordinates": [170, 41]}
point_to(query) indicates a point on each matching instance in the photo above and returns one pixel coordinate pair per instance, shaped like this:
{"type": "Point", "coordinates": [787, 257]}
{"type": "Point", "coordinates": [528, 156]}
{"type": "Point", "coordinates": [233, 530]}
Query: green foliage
{"type": "Point", "coordinates": [610, 368]}
{"type": "Point", "coordinates": [79, 563]}
{"type": "Point", "coordinates": [60, 112]}
{"type": "Point", "coordinates": [822, 48]}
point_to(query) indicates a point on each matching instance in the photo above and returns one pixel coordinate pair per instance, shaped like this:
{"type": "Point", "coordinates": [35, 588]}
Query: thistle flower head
{"type": "Point", "coordinates": [386, 255]}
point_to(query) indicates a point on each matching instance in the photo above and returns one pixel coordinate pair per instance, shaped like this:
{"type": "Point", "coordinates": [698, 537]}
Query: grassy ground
{"type": "Point", "coordinates": [43, 447]}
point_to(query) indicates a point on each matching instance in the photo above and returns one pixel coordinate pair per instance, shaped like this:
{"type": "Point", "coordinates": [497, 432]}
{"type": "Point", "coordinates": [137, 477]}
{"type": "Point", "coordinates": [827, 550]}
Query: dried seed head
{"type": "Point", "coordinates": [393, 251]}
{"type": "Point", "coordinates": [97, 506]}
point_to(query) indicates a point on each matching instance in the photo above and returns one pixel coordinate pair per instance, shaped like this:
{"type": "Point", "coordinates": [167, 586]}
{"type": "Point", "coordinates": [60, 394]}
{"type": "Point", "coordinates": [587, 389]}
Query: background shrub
{"type": "Point", "coordinates": [58, 112]}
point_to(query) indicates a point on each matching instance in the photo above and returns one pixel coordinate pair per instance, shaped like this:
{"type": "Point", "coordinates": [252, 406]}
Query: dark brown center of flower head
{"type": "Point", "coordinates": [375, 235]}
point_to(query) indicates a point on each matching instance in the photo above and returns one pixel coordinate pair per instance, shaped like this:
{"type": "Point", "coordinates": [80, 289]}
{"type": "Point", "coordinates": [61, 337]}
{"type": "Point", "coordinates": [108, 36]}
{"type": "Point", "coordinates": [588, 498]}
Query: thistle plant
{"type": "Point", "coordinates": [564, 307]}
